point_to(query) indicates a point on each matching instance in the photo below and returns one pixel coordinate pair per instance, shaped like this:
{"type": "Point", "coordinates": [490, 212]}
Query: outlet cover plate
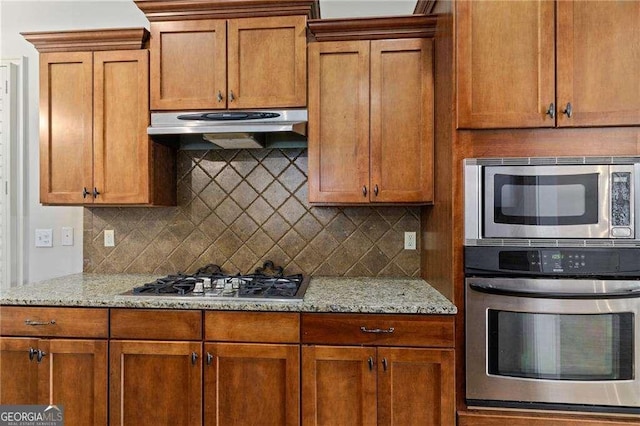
{"type": "Point", "coordinates": [409, 240]}
{"type": "Point", "coordinates": [44, 238]}
{"type": "Point", "coordinates": [109, 238]}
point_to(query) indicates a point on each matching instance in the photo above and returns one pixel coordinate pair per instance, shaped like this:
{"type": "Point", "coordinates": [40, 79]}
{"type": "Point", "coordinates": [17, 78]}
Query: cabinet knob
{"type": "Point", "coordinates": [551, 111]}
{"type": "Point", "coordinates": [209, 358]}
{"type": "Point", "coordinates": [40, 355]}
{"type": "Point", "coordinates": [375, 190]}
{"type": "Point", "coordinates": [32, 353]}
{"type": "Point", "coordinates": [231, 96]}
{"type": "Point", "coordinates": [194, 358]}
{"type": "Point", "coordinates": [85, 192]}
{"type": "Point", "coordinates": [95, 192]}
{"type": "Point", "coordinates": [370, 361]}
{"type": "Point", "coordinates": [219, 97]}
{"type": "Point", "coordinates": [384, 364]}
{"type": "Point", "coordinates": [568, 110]}
{"type": "Point", "coordinates": [364, 190]}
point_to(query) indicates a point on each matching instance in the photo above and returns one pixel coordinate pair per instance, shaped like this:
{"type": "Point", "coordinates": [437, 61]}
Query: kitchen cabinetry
{"type": "Point", "coordinates": [63, 347]}
{"type": "Point", "coordinates": [252, 360]}
{"type": "Point", "coordinates": [546, 64]}
{"type": "Point", "coordinates": [370, 118]}
{"type": "Point", "coordinates": [381, 382]}
{"type": "Point", "coordinates": [155, 372]}
{"type": "Point", "coordinates": [94, 106]}
{"type": "Point", "coordinates": [229, 63]}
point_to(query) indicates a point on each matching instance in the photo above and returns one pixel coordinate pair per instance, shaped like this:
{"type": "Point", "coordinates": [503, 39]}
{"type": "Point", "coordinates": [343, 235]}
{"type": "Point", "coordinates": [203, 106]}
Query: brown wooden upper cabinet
{"type": "Point", "coordinates": [545, 64]}
{"type": "Point", "coordinates": [229, 63]}
{"type": "Point", "coordinates": [94, 113]}
{"type": "Point", "coordinates": [370, 119]}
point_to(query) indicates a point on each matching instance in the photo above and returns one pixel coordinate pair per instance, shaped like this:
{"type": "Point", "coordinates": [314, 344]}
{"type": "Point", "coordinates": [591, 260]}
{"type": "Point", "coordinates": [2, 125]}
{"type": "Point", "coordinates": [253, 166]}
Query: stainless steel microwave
{"type": "Point", "coordinates": [555, 201]}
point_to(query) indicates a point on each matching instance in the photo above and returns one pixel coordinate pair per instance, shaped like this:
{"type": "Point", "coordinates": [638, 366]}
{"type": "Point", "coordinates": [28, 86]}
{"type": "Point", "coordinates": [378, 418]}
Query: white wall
{"type": "Point", "coordinates": [25, 16]}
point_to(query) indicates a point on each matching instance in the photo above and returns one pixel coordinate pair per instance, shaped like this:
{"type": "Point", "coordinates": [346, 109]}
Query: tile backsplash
{"type": "Point", "coordinates": [238, 208]}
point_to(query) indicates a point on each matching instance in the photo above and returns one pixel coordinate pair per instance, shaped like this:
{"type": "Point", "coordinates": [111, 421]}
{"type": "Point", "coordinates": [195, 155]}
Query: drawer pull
{"type": "Point", "coordinates": [376, 330]}
{"type": "Point", "coordinates": [384, 364]}
{"type": "Point", "coordinates": [209, 358]}
{"type": "Point", "coordinates": [370, 361]}
{"type": "Point", "coordinates": [40, 355]}
{"type": "Point", "coordinates": [34, 323]}
{"type": "Point", "coordinates": [194, 358]}
{"type": "Point", "coordinates": [32, 353]}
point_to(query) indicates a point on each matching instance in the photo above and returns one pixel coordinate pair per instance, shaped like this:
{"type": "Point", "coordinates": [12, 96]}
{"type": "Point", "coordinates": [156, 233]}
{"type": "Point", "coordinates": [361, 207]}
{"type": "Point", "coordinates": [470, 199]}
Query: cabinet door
{"type": "Point", "coordinates": [155, 383]}
{"type": "Point", "coordinates": [267, 64]}
{"type": "Point", "coordinates": [66, 121]}
{"type": "Point", "coordinates": [73, 374]}
{"type": "Point", "coordinates": [338, 385]}
{"type": "Point", "coordinates": [598, 50]}
{"type": "Point", "coordinates": [121, 117]}
{"type": "Point", "coordinates": [415, 387]}
{"type": "Point", "coordinates": [18, 373]}
{"type": "Point", "coordinates": [252, 384]}
{"type": "Point", "coordinates": [339, 122]}
{"type": "Point", "coordinates": [188, 64]}
{"type": "Point", "coordinates": [402, 120]}
{"type": "Point", "coordinates": [505, 63]}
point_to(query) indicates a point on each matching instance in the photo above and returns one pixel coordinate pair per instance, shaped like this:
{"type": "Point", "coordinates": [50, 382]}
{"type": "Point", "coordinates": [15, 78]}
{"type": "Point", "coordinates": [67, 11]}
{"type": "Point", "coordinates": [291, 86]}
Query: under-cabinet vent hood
{"type": "Point", "coordinates": [232, 129]}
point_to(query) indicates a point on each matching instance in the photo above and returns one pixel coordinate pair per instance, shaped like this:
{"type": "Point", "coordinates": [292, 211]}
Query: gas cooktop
{"type": "Point", "coordinates": [266, 284]}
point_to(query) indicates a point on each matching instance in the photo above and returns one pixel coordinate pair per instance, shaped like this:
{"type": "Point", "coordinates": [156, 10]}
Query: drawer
{"type": "Point", "coordinates": [272, 327]}
{"type": "Point", "coordinates": [156, 324]}
{"type": "Point", "coordinates": [379, 330]}
{"type": "Point", "coordinates": [54, 322]}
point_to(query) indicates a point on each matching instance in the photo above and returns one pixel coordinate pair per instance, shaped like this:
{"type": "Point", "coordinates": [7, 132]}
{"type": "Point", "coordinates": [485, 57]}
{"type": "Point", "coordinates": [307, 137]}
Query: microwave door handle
{"type": "Point", "coordinates": [492, 289]}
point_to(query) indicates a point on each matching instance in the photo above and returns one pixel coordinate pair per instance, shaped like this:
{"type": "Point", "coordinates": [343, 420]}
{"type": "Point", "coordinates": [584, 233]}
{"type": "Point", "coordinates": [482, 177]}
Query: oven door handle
{"type": "Point", "coordinates": [492, 289]}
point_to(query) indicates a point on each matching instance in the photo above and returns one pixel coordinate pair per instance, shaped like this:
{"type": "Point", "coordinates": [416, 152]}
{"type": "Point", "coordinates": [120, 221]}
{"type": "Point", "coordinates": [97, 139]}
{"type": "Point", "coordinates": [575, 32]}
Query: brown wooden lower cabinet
{"type": "Point", "coordinates": [251, 384]}
{"type": "Point", "coordinates": [67, 373]}
{"type": "Point", "coordinates": [377, 386]}
{"type": "Point", "coordinates": [495, 418]}
{"type": "Point", "coordinates": [155, 383]}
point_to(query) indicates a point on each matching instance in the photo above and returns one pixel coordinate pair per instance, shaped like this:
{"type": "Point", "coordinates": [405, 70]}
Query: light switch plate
{"type": "Point", "coordinates": [67, 236]}
{"type": "Point", "coordinates": [44, 238]}
{"type": "Point", "coordinates": [109, 238]}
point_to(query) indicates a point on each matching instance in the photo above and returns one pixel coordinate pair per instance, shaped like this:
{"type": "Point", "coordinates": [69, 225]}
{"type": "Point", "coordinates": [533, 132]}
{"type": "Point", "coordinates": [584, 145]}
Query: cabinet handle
{"type": "Point", "coordinates": [32, 353]}
{"type": "Point", "coordinates": [35, 323]}
{"type": "Point", "coordinates": [85, 192]}
{"type": "Point", "coordinates": [375, 190]}
{"type": "Point", "coordinates": [384, 364]}
{"type": "Point", "coordinates": [231, 96]}
{"type": "Point", "coordinates": [219, 96]}
{"type": "Point", "coordinates": [551, 112]}
{"type": "Point", "coordinates": [95, 192]}
{"type": "Point", "coordinates": [194, 358]}
{"type": "Point", "coordinates": [370, 361]}
{"type": "Point", "coordinates": [41, 355]}
{"type": "Point", "coordinates": [364, 190]}
{"type": "Point", "coordinates": [376, 330]}
{"type": "Point", "coordinates": [209, 358]}
{"type": "Point", "coordinates": [568, 110]}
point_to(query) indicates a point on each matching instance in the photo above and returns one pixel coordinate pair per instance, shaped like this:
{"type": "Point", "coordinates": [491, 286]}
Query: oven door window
{"type": "Point", "coordinates": [583, 347]}
{"type": "Point", "coordinates": [546, 200]}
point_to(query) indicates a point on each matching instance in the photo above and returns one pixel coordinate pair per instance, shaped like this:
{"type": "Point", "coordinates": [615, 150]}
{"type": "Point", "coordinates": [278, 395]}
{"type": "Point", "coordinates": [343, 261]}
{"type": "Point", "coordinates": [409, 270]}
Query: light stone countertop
{"type": "Point", "coordinates": [325, 294]}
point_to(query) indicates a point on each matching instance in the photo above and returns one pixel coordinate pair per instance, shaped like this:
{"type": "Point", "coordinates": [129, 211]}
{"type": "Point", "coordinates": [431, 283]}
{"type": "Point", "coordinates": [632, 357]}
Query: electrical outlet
{"type": "Point", "coordinates": [409, 240]}
{"type": "Point", "coordinates": [67, 236]}
{"type": "Point", "coordinates": [44, 237]}
{"type": "Point", "coordinates": [109, 238]}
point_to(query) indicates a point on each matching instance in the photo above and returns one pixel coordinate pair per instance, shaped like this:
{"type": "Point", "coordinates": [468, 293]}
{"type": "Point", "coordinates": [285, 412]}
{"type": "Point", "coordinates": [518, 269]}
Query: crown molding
{"type": "Point", "coordinates": [88, 40]}
{"type": "Point", "coordinates": [409, 26]}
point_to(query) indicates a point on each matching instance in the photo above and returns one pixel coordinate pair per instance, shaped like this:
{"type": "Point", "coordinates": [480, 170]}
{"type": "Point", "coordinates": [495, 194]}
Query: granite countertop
{"type": "Point", "coordinates": [325, 294]}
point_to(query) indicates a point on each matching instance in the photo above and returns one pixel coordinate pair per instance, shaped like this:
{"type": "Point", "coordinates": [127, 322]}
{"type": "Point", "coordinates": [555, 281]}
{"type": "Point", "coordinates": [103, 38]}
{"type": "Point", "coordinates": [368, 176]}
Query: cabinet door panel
{"type": "Point", "coordinates": [18, 374]}
{"type": "Point", "coordinates": [505, 63]}
{"type": "Point", "coordinates": [267, 64]}
{"type": "Point", "coordinates": [339, 122]}
{"type": "Point", "coordinates": [598, 60]}
{"type": "Point", "coordinates": [121, 111]}
{"type": "Point", "coordinates": [66, 122]}
{"type": "Point", "coordinates": [252, 384]}
{"type": "Point", "coordinates": [188, 64]}
{"type": "Point", "coordinates": [77, 379]}
{"type": "Point", "coordinates": [155, 383]}
{"type": "Point", "coordinates": [402, 120]}
{"type": "Point", "coordinates": [416, 387]}
{"type": "Point", "coordinates": [338, 386]}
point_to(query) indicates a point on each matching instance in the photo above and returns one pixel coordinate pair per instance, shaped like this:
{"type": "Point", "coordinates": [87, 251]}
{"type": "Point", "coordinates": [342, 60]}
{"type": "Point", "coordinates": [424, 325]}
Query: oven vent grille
{"type": "Point", "coordinates": [542, 161]}
{"type": "Point", "coordinates": [519, 161]}
{"type": "Point", "coordinates": [498, 242]}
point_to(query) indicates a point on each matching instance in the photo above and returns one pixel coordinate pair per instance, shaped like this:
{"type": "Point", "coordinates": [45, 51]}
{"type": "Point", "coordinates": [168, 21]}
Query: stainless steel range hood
{"type": "Point", "coordinates": [231, 129]}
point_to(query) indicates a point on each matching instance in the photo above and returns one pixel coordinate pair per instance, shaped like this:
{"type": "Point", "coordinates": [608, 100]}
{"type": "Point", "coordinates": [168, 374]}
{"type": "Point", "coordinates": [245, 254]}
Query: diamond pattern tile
{"type": "Point", "coordinates": [238, 208]}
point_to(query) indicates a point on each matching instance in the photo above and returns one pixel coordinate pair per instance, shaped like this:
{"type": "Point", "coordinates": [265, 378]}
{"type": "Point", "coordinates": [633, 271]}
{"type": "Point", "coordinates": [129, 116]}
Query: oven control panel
{"type": "Point", "coordinates": [552, 261]}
